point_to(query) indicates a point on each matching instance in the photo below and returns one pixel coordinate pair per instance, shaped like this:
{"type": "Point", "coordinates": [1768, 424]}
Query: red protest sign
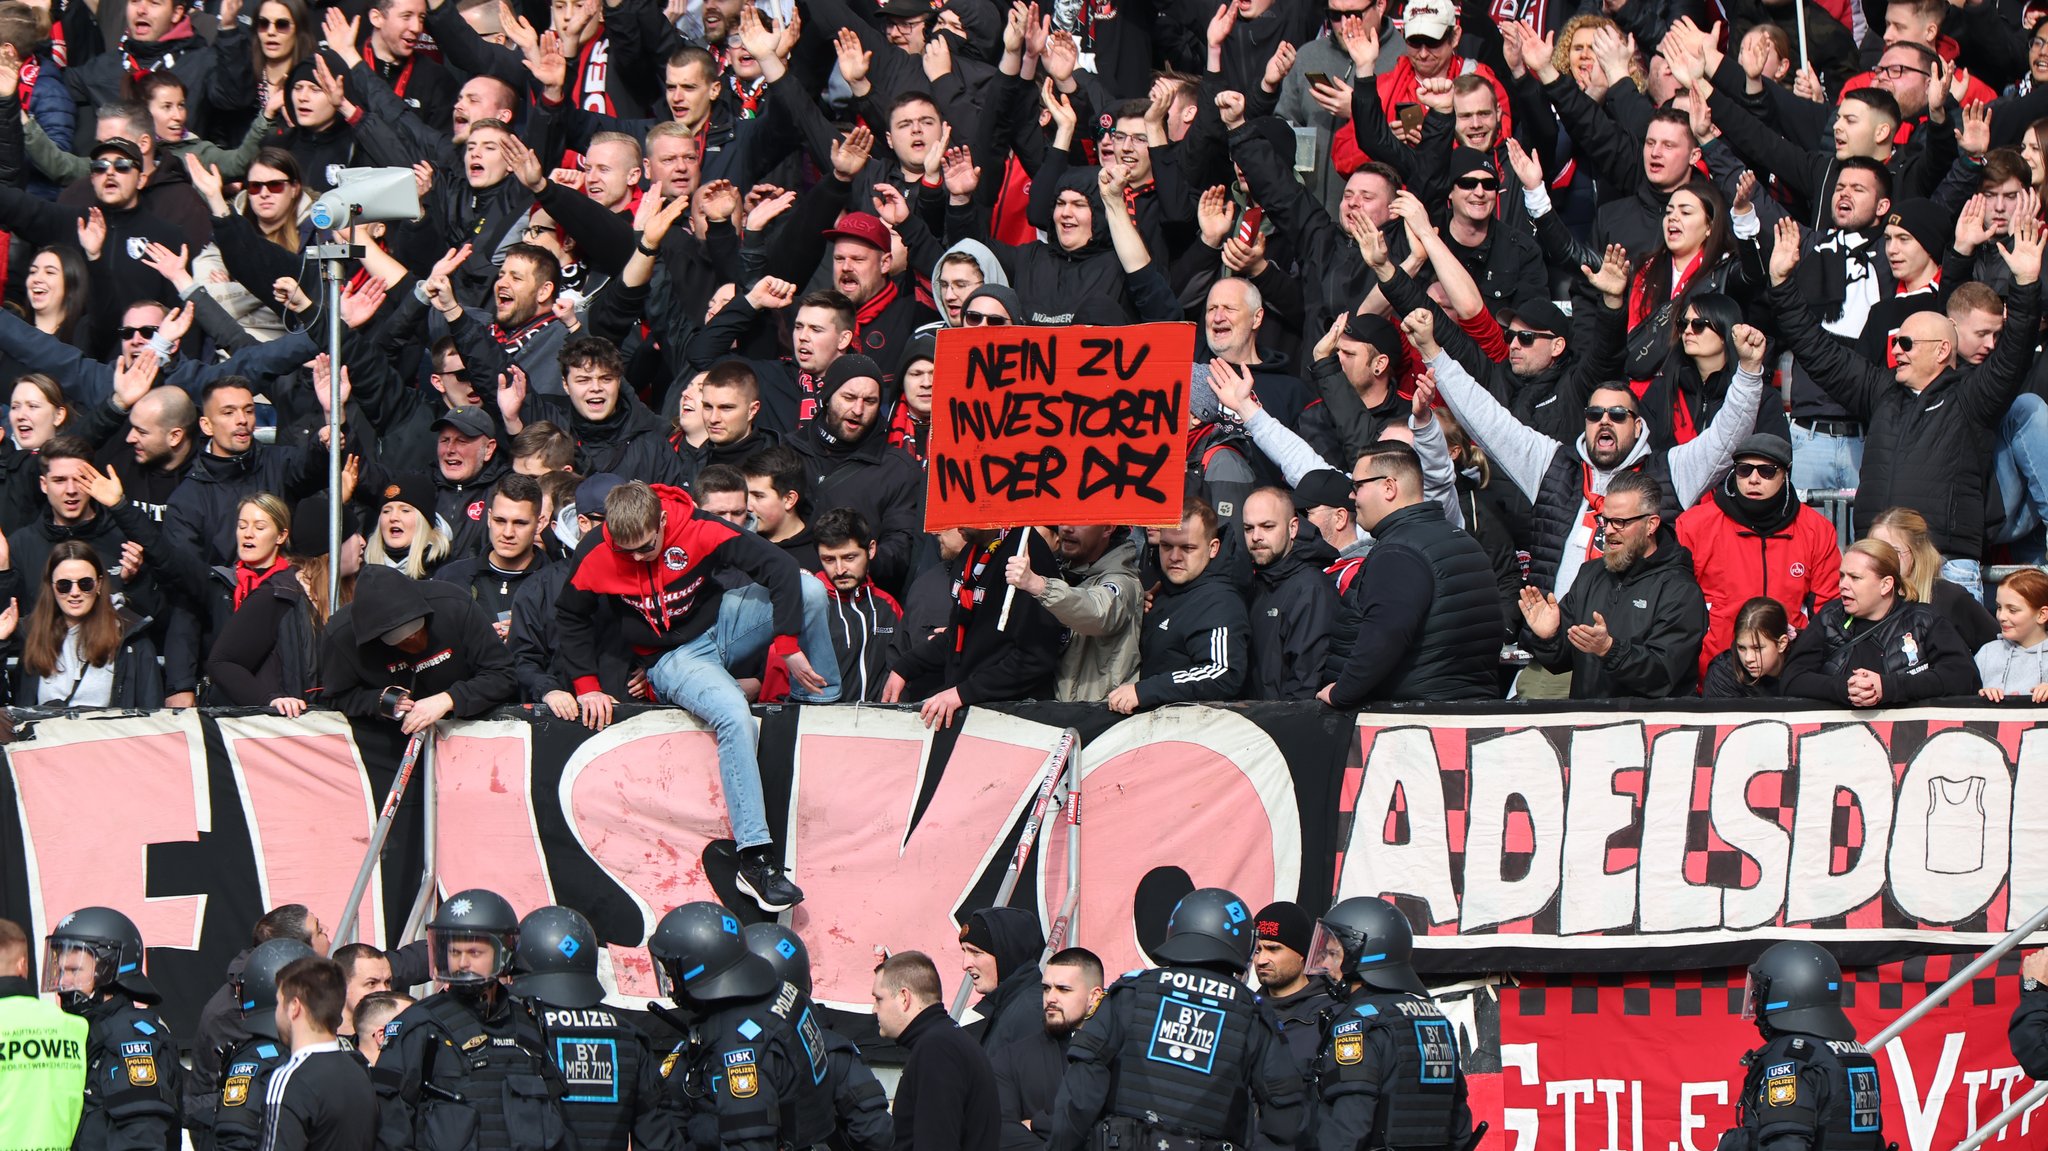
{"type": "Point", "coordinates": [1059, 425]}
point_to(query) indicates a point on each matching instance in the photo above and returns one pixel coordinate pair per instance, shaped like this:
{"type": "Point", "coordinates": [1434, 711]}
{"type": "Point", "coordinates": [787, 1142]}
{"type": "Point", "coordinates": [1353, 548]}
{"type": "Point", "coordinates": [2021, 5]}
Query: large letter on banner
{"type": "Point", "coordinates": [876, 869]}
{"type": "Point", "coordinates": [146, 779]}
{"type": "Point", "coordinates": [296, 774]}
{"type": "Point", "coordinates": [1059, 425]}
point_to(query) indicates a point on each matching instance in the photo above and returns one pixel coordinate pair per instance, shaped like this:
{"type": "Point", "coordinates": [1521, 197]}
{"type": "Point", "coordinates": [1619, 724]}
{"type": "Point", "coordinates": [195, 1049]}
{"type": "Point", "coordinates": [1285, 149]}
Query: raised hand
{"type": "Point", "coordinates": [1974, 139]}
{"type": "Point", "coordinates": [1745, 193]}
{"type": "Point", "coordinates": [663, 218]}
{"type": "Point", "coordinates": [287, 291]}
{"type": "Point", "coordinates": [1785, 250]}
{"type": "Point", "coordinates": [1435, 94]}
{"type": "Point", "coordinates": [133, 378]}
{"type": "Point", "coordinates": [718, 200]}
{"type": "Point", "coordinates": [938, 58]}
{"type": "Point", "coordinates": [323, 383]}
{"type": "Point", "coordinates": [963, 175]}
{"type": "Point", "coordinates": [173, 326]}
{"type": "Point", "coordinates": [1247, 260]}
{"type": "Point", "coordinates": [2024, 256]}
{"type": "Point", "coordinates": [850, 152]}
{"type": "Point", "coordinates": [1372, 243]}
{"type": "Point", "coordinates": [1422, 406]}
{"type": "Point", "coordinates": [1221, 24]}
{"type": "Point", "coordinates": [764, 210]}
{"type": "Point", "coordinates": [341, 35]}
{"type": "Point", "coordinates": [890, 205]}
{"type": "Point", "coordinates": [770, 294]}
{"type": "Point", "coordinates": [1277, 66]}
{"type": "Point", "coordinates": [1361, 40]}
{"type": "Point", "coordinates": [548, 63]}
{"type": "Point", "coordinates": [512, 395]}
{"type": "Point", "coordinates": [1807, 86]}
{"type": "Point", "coordinates": [359, 302]}
{"type": "Point", "coordinates": [1539, 51]}
{"type": "Point", "coordinates": [1749, 348]}
{"type": "Point", "coordinates": [853, 59]}
{"type": "Point", "coordinates": [1420, 325]}
{"type": "Point", "coordinates": [1061, 56]}
{"type": "Point", "coordinates": [1540, 612]}
{"type": "Point", "coordinates": [92, 233]}
{"type": "Point", "coordinates": [1064, 119]}
{"type": "Point", "coordinates": [1528, 169]}
{"type": "Point", "coordinates": [1215, 214]}
{"type": "Point", "coordinates": [172, 266]}
{"type": "Point", "coordinates": [1591, 638]}
{"type": "Point", "coordinates": [331, 84]}
{"type": "Point", "coordinates": [1615, 53]}
{"type": "Point", "coordinates": [1230, 106]}
{"type": "Point", "coordinates": [1233, 388]}
{"type": "Point", "coordinates": [1973, 226]}
{"type": "Point", "coordinates": [1610, 279]}
{"type": "Point", "coordinates": [525, 165]}
{"type": "Point", "coordinates": [422, 178]}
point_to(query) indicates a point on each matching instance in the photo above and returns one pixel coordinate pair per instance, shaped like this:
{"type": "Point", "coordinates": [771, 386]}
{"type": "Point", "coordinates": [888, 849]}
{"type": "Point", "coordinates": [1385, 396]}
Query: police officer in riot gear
{"type": "Point", "coordinates": [246, 1065]}
{"type": "Point", "coordinates": [860, 1106]}
{"type": "Point", "coordinates": [1811, 1084]}
{"type": "Point", "coordinates": [467, 1069]}
{"type": "Point", "coordinates": [93, 963]}
{"type": "Point", "coordinates": [1173, 1056]}
{"type": "Point", "coordinates": [1388, 1075]}
{"type": "Point", "coordinates": [750, 1072]}
{"type": "Point", "coordinates": [614, 1081]}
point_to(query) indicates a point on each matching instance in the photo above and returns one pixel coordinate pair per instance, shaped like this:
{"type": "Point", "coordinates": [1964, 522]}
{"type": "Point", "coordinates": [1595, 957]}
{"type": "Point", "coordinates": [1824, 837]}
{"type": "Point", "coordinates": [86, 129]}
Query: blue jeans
{"type": "Point", "coordinates": [694, 678]}
{"type": "Point", "coordinates": [1968, 573]}
{"type": "Point", "coordinates": [2021, 467]}
{"type": "Point", "coordinates": [1821, 462]}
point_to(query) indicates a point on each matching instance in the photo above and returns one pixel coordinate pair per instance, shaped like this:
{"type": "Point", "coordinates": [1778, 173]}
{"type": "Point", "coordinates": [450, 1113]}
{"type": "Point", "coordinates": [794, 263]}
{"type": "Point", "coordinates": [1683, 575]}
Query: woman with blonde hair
{"type": "Point", "coordinates": [409, 536]}
{"type": "Point", "coordinates": [1874, 646]}
{"type": "Point", "coordinates": [1920, 573]}
{"type": "Point", "coordinates": [267, 654]}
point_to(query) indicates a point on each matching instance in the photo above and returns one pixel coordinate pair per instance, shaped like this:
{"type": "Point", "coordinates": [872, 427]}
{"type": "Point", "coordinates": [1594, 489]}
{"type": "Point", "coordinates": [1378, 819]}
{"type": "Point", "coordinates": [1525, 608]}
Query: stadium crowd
{"type": "Point", "coordinates": [1522, 332]}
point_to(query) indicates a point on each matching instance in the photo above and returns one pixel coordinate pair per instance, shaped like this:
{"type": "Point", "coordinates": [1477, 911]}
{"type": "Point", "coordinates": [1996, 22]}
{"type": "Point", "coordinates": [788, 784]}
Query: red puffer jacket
{"type": "Point", "coordinates": [1790, 555]}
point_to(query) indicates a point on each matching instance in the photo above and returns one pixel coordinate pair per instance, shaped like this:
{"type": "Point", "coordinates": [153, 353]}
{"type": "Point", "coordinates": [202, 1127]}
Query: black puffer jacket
{"type": "Point", "coordinates": [1016, 1008]}
{"type": "Point", "coordinates": [1429, 617]}
{"type": "Point", "coordinates": [1928, 450]}
{"type": "Point", "coordinates": [1293, 608]}
{"type": "Point", "coordinates": [1915, 650]}
{"type": "Point", "coordinates": [1654, 612]}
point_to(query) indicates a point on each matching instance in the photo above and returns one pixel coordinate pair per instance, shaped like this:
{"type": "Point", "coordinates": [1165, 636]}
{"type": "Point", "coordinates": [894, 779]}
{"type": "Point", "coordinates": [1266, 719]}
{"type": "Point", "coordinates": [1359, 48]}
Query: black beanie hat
{"type": "Point", "coordinates": [1286, 924]}
{"type": "Point", "coordinates": [846, 369]}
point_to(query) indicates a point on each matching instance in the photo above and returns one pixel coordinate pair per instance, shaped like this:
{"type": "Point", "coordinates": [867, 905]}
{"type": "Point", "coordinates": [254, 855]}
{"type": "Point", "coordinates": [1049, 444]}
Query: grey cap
{"type": "Point", "coordinates": [1766, 446]}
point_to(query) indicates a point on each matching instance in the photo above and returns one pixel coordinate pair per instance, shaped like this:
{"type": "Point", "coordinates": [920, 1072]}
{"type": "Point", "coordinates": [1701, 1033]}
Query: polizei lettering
{"type": "Point", "coordinates": [566, 1019]}
{"type": "Point", "coordinates": [1201, 984]}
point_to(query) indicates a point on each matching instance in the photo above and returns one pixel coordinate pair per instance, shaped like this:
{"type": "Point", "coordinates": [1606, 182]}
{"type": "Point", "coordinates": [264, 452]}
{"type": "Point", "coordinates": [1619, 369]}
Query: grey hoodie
{"type": "Point", "coordinates": [991, 269]}
{"type": "Point", "coordinates": [2011, 668]}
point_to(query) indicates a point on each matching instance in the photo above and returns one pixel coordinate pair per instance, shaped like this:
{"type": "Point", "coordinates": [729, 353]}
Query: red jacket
{"type": "Point", "coordinates": [673, 598]}
{"type": "Point", "coordinates": [1799, 565]}
{"type": "Point", "coordinates": [1398, 86]}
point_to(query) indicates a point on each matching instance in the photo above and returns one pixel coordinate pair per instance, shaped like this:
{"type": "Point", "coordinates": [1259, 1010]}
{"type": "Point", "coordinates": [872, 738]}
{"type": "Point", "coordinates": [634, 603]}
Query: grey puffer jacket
{"type": "Point", "coordinates": [1100, 605]}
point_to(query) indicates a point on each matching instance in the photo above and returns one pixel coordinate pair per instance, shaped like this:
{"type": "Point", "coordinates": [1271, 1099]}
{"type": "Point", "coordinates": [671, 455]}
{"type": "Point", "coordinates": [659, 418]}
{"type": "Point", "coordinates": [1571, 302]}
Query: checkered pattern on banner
{"type": "Point", "coordinates": [1708, 859]}
{"type": "Point", "coordinates": [1890, 987]}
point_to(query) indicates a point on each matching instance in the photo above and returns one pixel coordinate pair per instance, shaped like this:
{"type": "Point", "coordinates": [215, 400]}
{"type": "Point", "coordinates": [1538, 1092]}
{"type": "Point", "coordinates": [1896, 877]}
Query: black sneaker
{"type": "Point", "coordinates": [762, 879]}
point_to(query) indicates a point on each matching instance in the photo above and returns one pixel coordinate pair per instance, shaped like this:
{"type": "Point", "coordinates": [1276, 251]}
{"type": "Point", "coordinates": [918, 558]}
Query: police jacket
{"type": "Point", "coordinates": [238, 1113]}
{"type": "Point", "coordinates": [946, 1099]}
{"type": "Point", "coordinates": [1428, 610]}
{"type": "Point", "coordinates": [1192, 642]}
{"type": "Point", "coordinates": [1745, 548]}
{"type": "Point", "coordinates": [1185, 1044]}
{"type": "Point", "coordinates": [131, 1080]}
{"type": "Point", "coordinates": [220, 1031]}
{"type": "Point", "coordinates": [1099, 604]}
{"type": "Point", "coordinates": [42, 1081]}
{"type": "Point", "coordinates": [750, 1075]}
{"type": "Point", "coordinates": [2028, 1031]}
{"type": "Point", "coordinates": [1916, 652]}
{"type": "Point", "coordinates": [463, 656]}
{"type": "Point", "coordinates": [1654, 613]}
{"type": "Point", "coordinates": [1925, 450]}
{"type": "Point", "coordinates": [1293, 611]}
{"type": "Point", "coordinates": [860, 1108]}
{"type": "Point", "coordinates": [612, 1081]}
{"type": "Point", "coordinates": [321, 1100]}
{"type": "Point", "coordinates": [1803, 1091]}
{"type": "Point", "coordinates": [1389, 1077]}
{"type": "Point", "coordinates": [463, 1074]}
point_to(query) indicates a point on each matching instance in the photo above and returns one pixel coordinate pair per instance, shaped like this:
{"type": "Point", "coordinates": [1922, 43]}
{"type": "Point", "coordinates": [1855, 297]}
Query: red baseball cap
{"type": "Point", "coordinates": [863, 226]}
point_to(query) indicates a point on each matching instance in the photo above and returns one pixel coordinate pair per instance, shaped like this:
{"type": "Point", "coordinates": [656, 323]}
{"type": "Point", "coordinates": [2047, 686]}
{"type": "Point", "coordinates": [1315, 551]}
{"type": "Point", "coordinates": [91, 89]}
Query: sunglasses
{"type": "Point", "coordinates": [1607, 522]}
{"type": "Point", "coordinates": [1767, 471]}
{"type": "Point", "coordinates": [146, 331]}
{"type": "Point", "coordinates": [1481, 183]}
{"type": "Point", "coordinates": [86, 584]}
{"type": "Point", "coordinates": [1427, 43]}
{"type": "Point", "coordinates": [123, 165]}
{"type": "Point", "coordinates": [1528, 339]}
{"type": "Point", "coordinates": [266, 24]}
{"type": "Point", "coordinates": [1613, 415]}
{"type": "Point", "coordinates": [979, 319]}
{"type": "Point", "coordinates": [269, 187]}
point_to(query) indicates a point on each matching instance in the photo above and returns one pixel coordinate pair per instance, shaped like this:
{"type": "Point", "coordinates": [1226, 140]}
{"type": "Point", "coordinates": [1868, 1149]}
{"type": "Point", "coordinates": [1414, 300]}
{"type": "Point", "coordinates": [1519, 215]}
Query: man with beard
{"type": "Point", "coordinates": [519, 331]}
{"type": "Point", "coordinates": [1293, 602]}
{"type": "Point", "coordinates": [1754, 538]}
{"type": "Point", "coordinates": [157, 452]}
{"type": "Point", "coordinates": [1631, 627]}
{"type": "Point", "coordinates": [615, 433]}
{"type": "Point", "coordinates": [1028, 1071]}
{"type": "Point", "coordinates": [1098, 598]}
{"type": "Point", "coordinates": [850, 464]}
{"type": "Point", "coordinates": [886, 310]}
{"type": "Point", "coordinates": [1301, 999]}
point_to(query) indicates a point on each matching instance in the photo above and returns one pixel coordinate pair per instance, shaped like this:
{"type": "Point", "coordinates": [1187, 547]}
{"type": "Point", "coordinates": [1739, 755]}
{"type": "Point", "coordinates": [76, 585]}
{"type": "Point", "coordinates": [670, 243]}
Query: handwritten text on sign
{"type": "Point", "coordinates": [1065, 425]}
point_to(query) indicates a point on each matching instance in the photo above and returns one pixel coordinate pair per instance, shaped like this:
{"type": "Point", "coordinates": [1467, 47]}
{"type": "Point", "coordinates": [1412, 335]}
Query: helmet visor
{"type": "Point", "coordinates": [1325, 955]}
{"type": "Point", "coordinates": [663, 985]}
{"type": "Point", "coordinates": [1753, 992]}
{"type": "Point", "coordinates": [70, 965]}
{"type": "Point", "coordinates": [465, 957]}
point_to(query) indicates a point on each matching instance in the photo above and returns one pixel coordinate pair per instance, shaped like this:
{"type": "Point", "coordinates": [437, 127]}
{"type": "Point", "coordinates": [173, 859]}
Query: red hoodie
{"type": "Point", "coordinates": [670, 600]}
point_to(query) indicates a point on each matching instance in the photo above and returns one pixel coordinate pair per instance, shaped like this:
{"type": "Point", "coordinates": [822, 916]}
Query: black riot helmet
{"type": "Point", "coordinates": [556, 960]}
{"type": "Point", "coordinates": [784, 951]}
{"type": "Point", "coordinates": [470, 920]}
{"type": "Point", "coordinates": [700, 954]}
{"type": "Point", "coordinates": [1209, 927]}
{"type": "Point", "coordinates": [1367, 939]}
{"type": "Point", "coordinates": [256, 986]}
{"type": "Point", "coordinates": [91, 951]}
{"type": "Point", "coordinates": [1797, 986]}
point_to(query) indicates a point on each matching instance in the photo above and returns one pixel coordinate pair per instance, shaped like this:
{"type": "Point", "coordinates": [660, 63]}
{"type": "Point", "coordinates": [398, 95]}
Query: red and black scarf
{"type": "Point", "coordinates": [137, 69]}
{"type": "Point", "coordinates": [517, 339]}
{"type": "Point", "coordinates": [967, 589]}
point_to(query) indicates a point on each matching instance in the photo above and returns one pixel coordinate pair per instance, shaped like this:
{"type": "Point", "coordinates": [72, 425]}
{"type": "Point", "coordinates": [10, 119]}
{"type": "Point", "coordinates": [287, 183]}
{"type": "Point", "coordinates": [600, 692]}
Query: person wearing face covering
{"type": "Point", "coordinates": [1002, 946]}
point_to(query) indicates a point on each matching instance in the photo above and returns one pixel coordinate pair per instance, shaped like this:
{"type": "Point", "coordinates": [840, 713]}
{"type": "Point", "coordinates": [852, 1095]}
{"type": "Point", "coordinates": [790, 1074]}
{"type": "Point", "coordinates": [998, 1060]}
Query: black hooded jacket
{"type": "Point", "coordinates": [1656, 616]}
{"type": "Point", "coordinates": [1016, 1008]}
{"type": "Point", "coordinates": [631, 443]}
{"type": "Point", "coordinates": [1293, 608]}
{"type": "Point", "coordinates": [463, 656]}
{"type": "Point", "coordinates": [1052, 281]}
{"type": "Point", "coordinates": [877, 480]}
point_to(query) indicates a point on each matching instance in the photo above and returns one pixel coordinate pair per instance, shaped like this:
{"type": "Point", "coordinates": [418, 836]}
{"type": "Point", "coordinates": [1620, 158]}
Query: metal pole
{"type": "Point", "coordinates": [344, 931]}
{"type": "Point", "coordinates": [332, 272]}
{"type": "Point", "coordinates": [1799, 15]}
{"type": "Point", "coordinates": [430, 805]}
{"type": "Point", "coordinates": [1054, 769]}
{"type": "Point", "coordinates": [1058, 937]}
{"type": "Point", "coordinates": [2012, 939]}
{"type": "Point", "coordinates": [1982, 1135]}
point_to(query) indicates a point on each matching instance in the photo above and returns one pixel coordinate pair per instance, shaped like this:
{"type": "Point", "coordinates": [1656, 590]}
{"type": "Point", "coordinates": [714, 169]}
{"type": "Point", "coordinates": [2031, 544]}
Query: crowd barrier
{"type": "Point", "coordinates": [1584, 883]}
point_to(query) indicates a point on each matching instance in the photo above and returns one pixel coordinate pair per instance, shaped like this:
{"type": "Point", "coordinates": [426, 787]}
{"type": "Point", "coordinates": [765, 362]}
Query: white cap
{"type": "Point", "coordinates": [1429, 19]}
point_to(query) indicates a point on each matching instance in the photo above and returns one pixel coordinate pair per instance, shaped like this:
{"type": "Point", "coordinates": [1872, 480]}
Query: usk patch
{"type": "Point", "coordinates": [141, 1070]}
{"type": "Point", "coordinates": [1781, 1085]}
{"type": "Point", "coordinates": [742, 1074]}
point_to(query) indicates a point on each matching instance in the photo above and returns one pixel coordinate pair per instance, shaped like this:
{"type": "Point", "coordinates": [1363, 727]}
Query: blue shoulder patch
{"type": "Point", "coordinates": [1367, 1010]}
{"type": "Point", "coordinates": [749, 1030]}
{"type": "Point", "coordinates": [267, 1050]}
{"type": "Point", "coordinates": [144, 1026]}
